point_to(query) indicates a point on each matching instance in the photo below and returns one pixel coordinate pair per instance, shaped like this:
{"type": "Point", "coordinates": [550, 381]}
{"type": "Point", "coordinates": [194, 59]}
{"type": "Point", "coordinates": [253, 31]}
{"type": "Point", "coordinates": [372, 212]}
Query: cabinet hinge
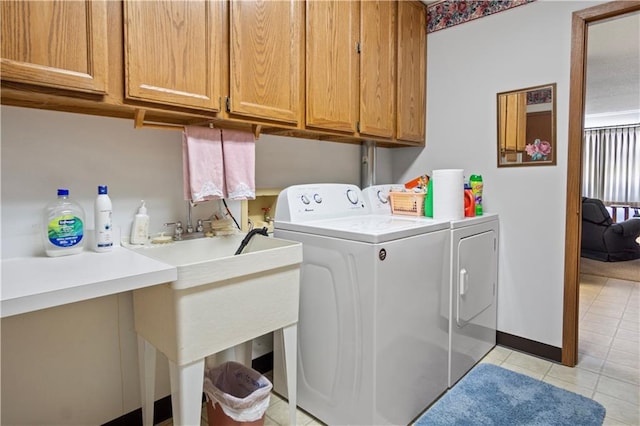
{"type": "Point", "coordinates": [219, 103]}
{"type": "Point", "coordinates": [495, 244]}
{"type": "Point", "coordinates": [228, 104]}
{"type": "Point", "coordinates": [358, 126]}
{"type": "Point", "coordinates": [358, 49]}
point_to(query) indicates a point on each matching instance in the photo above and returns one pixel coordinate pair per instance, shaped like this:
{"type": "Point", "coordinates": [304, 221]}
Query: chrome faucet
{"type": "Point", "coordinates": [189, 225]}
{"type": "Point", "coordinates": [191, 233]}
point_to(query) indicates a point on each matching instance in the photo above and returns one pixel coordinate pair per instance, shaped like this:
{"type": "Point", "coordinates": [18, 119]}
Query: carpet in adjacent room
{"type": "Point", "coordinates": [492, 395]}
{"type": "Point", "coordinates": [626, 270]}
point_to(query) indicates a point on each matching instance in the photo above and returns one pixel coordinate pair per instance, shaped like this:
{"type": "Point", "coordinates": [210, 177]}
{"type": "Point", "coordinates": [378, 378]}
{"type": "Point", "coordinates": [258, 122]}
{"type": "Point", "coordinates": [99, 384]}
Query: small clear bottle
{"type": "Point", "coordinates": [63, 226]}
{"type": "Point", "coordinates": [102, 212]}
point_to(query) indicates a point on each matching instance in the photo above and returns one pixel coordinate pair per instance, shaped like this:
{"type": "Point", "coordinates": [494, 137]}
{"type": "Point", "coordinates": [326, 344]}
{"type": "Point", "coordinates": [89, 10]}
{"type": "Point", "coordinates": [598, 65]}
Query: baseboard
{"type": "Point", "coordinates": [532, 347]}
{"type": "Point", "coordinates": [161, 412]}
{"type": "Point", "coordinates": [162, 407]}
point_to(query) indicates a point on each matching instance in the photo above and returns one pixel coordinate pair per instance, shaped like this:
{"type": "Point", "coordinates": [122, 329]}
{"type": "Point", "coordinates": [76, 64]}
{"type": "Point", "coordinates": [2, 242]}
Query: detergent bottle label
{"type": "Point", "coordinates": [476, 187]}
{"type": "Point", "coordinates": [65, 231]}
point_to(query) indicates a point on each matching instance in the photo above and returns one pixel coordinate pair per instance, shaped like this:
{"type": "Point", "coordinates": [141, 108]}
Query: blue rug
{"type": "Point", "coordinates": [492, 395]}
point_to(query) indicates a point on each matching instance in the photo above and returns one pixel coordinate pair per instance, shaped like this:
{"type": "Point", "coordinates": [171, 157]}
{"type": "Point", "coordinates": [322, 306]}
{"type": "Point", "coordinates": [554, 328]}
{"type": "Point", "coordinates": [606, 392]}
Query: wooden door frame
{"type": "Point", "coordinates": [580, 20]}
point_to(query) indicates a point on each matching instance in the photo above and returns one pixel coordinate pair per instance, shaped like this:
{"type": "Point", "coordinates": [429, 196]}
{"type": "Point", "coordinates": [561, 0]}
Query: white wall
{"type": "Point", "coordinates": [612, 88]}
{"type": "Point", "coordinates": [46, 150]}
{"type": "Point", "coordinates": [467, 66]}
{"type": "Point", "coordinates": [77, 364]}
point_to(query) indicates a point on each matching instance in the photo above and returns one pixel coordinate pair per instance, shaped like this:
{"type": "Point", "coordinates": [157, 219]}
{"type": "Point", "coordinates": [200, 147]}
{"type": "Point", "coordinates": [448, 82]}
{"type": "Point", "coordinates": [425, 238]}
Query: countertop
{"type": "Point", "coordinates": [38, 282]}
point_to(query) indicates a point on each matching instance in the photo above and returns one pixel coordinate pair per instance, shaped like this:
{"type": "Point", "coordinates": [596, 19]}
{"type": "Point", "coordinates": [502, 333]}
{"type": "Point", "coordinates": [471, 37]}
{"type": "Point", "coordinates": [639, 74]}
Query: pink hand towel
{"type": "Point", "coordinates": [202, 164]}
{"type": "Point", "coordinates": [239, 152]}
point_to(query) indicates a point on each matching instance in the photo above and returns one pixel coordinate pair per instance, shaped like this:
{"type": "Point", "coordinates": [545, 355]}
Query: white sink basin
{"type": "Point", "coordinates": [219, 300]}
{"type": "Point", "coordinates": [205, 260]}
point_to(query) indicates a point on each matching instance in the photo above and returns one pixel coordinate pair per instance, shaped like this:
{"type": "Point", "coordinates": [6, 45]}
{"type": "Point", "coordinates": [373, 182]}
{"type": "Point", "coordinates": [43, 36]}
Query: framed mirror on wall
{"type": "Point", "coordinates": [527, 127]}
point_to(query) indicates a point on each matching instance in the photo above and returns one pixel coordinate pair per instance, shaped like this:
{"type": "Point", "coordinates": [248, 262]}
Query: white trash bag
{"type": "Point", "coordinates": [243, 393]}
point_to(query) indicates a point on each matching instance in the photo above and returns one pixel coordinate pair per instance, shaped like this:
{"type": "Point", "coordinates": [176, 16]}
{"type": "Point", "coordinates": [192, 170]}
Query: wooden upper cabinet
{"type": "Point", "coordinates": [332, 65]}
{"type": "Point", "coordinates": [59, 44]}
{"type": "Point", "coordinates": [173, 52]}
{"type": "Point", "coordinates": [412, 76]}
{"type": "Point", "coordinates": [353, 69]}
{"type": "Point", "coordinates": [266, 59]}
{"type": "Point", "coordinates": [377, 68]}
{"type": "Point", "coordinates": [512, 130]}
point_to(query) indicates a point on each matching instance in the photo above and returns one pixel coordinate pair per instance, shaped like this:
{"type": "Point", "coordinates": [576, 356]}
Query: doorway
{"type": "Point", "coordinates": [580, 21]}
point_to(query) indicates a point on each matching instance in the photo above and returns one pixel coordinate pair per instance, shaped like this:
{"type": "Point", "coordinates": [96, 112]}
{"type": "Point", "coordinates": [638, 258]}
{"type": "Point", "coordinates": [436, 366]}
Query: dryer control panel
{"type": "Point", "coordinates": [302, 203]}
{"type": "Point", "coordinates": [377, 197]}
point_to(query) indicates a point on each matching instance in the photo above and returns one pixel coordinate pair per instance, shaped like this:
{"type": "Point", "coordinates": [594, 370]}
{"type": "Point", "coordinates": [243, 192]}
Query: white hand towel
{"type": "Point", "coordinates": [203, 171]}
{"type": "Point", "coordinates": [239, 152]}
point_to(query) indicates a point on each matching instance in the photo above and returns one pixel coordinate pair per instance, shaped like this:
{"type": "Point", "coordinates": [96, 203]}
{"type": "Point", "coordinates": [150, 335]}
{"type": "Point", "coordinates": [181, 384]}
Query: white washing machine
{"type": "Point", "coordinates": [372, 345]}
{"type": "Point", "coordinates": [471, 305]}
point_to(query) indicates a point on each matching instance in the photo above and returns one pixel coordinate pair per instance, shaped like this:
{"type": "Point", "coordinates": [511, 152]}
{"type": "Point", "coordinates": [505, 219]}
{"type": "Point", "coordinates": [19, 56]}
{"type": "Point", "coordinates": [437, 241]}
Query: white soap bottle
{"type": "Point", "coordinates": [140, 227]}
{"type": "Point", "coordinates": [102, 212]}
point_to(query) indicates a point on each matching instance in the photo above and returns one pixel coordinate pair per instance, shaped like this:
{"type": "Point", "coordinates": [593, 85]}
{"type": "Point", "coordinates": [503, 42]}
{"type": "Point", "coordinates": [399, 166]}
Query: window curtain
{"type": "Point", "coordinates": [611, 164]}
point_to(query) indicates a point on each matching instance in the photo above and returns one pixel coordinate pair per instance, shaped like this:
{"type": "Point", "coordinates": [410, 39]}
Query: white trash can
{"type": "Point", "coordinates": [236, 395]}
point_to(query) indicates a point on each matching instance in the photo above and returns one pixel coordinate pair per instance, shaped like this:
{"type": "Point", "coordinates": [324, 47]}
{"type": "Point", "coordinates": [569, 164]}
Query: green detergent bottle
{"type": "Point", "coordinates": [475, 181]}
{"type": "Point", "coordinates": [428, 200]}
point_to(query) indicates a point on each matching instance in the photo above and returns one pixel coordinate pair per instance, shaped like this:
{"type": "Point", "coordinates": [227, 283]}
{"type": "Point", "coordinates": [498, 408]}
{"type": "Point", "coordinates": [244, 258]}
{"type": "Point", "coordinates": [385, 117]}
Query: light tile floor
{"type": "Point", "coordinates": [608, 369]}
{"type": "Point", "coordinates": [608, 356]}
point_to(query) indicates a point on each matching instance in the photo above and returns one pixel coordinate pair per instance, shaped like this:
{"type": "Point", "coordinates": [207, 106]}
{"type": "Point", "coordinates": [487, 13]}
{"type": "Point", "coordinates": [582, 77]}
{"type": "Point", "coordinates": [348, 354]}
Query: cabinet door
{"type": "Point", "coordinates": [412, 76]}
{"type": "Point", "coordinates": [513, 122]}
{"type": "Point", "coordinates": [377, 67]}
{"type": "Point", "coordinates": [332, 64]}
{"type": "Point", "coordinates": [173, 52]}
{"type": "Point", "coordinates": [266, 59]}
{"type": "Point", "coordinates": [60, 44]}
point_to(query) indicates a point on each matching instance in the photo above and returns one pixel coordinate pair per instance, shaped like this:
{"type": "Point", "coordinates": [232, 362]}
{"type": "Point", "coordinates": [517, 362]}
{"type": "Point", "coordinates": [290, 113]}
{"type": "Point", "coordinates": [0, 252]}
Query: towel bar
{"type": "Point", "coordinates": [139, 123]}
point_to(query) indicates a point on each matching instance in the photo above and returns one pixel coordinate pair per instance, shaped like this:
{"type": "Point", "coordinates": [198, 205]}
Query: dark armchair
{"type": "Point", "coordinates": [604, 240]}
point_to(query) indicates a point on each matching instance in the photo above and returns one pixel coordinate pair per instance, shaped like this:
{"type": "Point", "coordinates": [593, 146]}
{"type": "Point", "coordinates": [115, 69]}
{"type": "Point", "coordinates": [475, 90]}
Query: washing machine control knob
{"type": "Point", "coordinates": [305, 199]}
{"type": "Point", "coordinates": [352, 196]}
{"type": "Point", "coordinates": [317, 198]}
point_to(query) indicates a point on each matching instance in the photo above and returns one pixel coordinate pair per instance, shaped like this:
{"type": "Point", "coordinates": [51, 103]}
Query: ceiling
{"type": "Point", "coordinates": [613, 71]}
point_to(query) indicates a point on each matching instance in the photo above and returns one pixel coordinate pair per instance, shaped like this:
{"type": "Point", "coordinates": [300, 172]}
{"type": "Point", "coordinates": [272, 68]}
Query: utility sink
{"type": "Point", "coordinates": [219, 299]}
{"type": "Point", "coordinates": [205, 260]}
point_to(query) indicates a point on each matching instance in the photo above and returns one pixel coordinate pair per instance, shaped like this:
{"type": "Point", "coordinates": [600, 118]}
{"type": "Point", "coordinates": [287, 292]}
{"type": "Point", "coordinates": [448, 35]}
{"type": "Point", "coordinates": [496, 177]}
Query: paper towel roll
{"type": "Point", "coordinates": [448, 194]}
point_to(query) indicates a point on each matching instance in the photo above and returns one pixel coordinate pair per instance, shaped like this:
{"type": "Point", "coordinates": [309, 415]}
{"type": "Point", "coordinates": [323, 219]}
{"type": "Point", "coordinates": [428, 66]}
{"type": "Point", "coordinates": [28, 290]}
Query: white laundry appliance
{"type": "Point", "coordinates": [474, 287]}
{"type": "Point", "coordinates": [372, 345]}
{"type": "Point", "coordinates": [471, 305]}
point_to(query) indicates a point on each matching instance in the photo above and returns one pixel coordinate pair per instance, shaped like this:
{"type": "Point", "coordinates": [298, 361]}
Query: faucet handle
{"type": "Point", "coordinates": [177, 235]}
{"type": "Point", "coordinates": [177, 224]}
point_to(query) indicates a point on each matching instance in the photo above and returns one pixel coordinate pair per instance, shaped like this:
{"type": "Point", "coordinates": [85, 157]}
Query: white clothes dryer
{"type": "Point", "coordinates": [474, 282]}
{"type": "Point", "coordinates": [470, 308]}
{"type": "Point", "coordinates": [372, 346]}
